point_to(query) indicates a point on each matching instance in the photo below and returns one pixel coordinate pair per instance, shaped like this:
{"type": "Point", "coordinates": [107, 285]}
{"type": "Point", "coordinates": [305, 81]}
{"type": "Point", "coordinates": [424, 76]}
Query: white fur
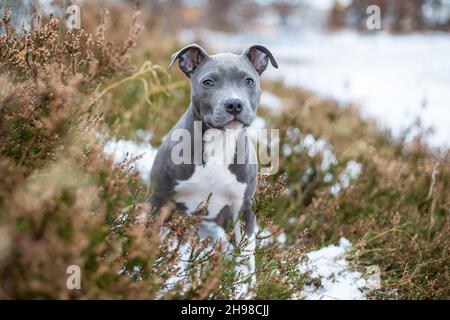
{"type": "Point", "coordinates": [214, 177]}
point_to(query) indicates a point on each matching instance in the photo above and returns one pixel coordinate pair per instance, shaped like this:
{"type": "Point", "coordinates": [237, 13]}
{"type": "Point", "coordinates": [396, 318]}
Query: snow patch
{"type": "Point", "coordinates": [265, 238]}
{"type": "Point", "coordinates": [321, 147]}
{"type": "Point", "coordinates": [122, 149]}
{"type": "Point", "coordinates": [334, 277]}
{"type": "Point", "coordinates": [272, 102]}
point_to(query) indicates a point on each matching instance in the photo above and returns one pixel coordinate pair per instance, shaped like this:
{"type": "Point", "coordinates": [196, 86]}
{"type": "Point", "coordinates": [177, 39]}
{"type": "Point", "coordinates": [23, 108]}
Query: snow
{"type": "Point", "coordinates": [271, 102]}
{"type": "Point", "coordinates": [181, 275]}
{"type": "Point", "coordinates": [123, 149]}
{"type": "Point", "coordinates": [265, 238]}
{"type": "Point", "coordinates": [322, 147]}
{"type": "Point", "coordinates": [336, 278]}
{"type": "Point", "coordinates": [395, 78]}
{"type": "Point", "coordinates": [351, 172]}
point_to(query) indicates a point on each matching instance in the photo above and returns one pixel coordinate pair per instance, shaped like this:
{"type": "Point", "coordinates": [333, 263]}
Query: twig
{"type": "Point", "coordinates": [433, 199]}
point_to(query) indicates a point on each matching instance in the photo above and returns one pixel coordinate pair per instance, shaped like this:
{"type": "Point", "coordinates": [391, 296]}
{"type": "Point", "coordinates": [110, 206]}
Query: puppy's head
{"type": "Point", "coordinates": [225, 86]}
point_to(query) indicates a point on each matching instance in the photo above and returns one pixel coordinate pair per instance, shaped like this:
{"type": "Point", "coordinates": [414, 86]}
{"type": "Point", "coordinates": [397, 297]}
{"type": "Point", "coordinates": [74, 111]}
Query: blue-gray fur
{"type": "Point", "coordinates": [229, 73]}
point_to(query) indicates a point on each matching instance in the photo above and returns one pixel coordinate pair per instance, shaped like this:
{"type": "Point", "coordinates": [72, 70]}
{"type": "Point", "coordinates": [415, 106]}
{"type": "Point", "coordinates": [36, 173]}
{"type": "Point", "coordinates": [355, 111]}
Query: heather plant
{"type": "Point", "coordinates": [60, 195]}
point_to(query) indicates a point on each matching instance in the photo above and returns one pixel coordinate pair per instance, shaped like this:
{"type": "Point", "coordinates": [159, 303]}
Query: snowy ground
{"type": "Point", "coordinates": [123, 149]}
{"type": "Point", "coordinates": [337, 279]}
{"type": "Point", "coordinates": [396, 79]}
{"type": "Point", "coordinates": [333, 276]}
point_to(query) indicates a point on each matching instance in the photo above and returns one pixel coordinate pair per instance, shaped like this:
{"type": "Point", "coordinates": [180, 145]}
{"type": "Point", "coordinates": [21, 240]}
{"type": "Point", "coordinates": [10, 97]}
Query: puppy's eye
{"type": "Point", "coordinates": [208, 83]}
{"type": "Point", "coordinates": [249, 82]}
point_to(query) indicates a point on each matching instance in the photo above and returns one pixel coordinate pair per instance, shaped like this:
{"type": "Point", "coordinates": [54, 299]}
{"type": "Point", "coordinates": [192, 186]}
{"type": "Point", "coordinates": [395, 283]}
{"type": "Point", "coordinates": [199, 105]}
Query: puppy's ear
{"type": "Point", "coordinates": [190, 57]}
{"type": "Point", "coordinates": [259, 56]}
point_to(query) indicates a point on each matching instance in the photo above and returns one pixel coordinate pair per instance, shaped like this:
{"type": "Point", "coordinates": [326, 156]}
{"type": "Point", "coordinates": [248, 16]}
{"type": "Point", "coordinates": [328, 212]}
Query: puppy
{"type": "Point", "coordinates": [206, 164]}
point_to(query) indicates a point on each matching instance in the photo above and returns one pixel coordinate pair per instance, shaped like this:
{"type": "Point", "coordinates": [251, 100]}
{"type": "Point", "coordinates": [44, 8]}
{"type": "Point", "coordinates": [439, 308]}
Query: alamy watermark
{"type": "Point", "coordinates": [73, 17]}
{"type": "Point", "coordinates": [73, 281]}
{"type": "Point", "coordinates": [225, 147]}
{"type": "Point", "coordinates": [373, 21]}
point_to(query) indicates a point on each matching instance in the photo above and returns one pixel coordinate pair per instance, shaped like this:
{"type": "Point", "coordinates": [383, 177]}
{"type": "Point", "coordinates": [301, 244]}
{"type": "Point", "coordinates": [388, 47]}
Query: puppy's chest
{"type": "Point", "coordinates": [212, 182]}
{"type": "Point", "coordinates": [217, 185]}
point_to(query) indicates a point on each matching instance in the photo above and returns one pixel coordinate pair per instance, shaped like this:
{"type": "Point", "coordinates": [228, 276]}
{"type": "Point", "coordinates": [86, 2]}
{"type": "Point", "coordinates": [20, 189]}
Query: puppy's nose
{"type": "Point", "coordinates": [233, 106]}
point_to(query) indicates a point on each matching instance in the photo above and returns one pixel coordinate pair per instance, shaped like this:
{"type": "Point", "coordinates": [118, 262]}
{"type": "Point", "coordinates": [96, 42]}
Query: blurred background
{"type": "Point", "coordinates": [399, 74]}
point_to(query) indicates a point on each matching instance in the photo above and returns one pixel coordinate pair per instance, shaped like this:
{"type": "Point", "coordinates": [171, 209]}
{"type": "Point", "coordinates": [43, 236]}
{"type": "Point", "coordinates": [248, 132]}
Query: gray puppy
{"type": "Point", "coordinates": [225, 93]}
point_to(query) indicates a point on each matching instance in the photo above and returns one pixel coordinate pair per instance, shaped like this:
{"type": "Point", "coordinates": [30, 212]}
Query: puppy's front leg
{"type": "Point", "coordinates": [213, 231]}
{"type": "Point", "coordinates": [245, 235]}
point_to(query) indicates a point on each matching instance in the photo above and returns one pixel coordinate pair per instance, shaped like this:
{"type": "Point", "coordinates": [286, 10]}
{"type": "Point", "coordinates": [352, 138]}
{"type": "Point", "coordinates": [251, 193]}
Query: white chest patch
{"type": "Point", "coordinates": [213, 180]}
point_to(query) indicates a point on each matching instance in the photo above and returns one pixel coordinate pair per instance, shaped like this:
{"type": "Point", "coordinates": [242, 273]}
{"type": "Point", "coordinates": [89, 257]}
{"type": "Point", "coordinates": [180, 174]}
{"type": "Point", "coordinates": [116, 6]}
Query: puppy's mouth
{"type": "Point", "coordinates": [234, 124]}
